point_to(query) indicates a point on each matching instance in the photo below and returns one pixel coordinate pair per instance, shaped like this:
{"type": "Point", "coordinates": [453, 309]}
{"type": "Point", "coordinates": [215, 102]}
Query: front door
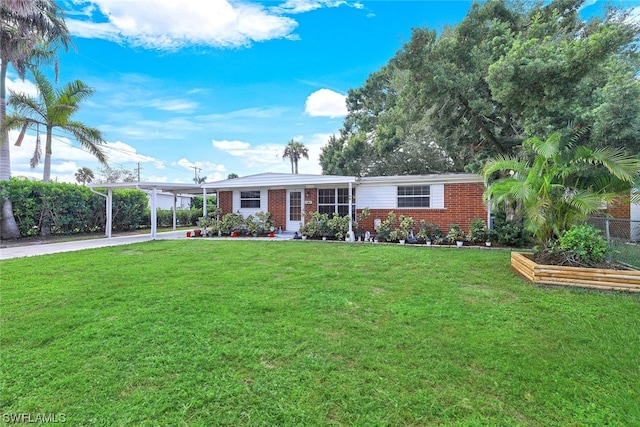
{"type": "Point", "coordinates": [294, 210]}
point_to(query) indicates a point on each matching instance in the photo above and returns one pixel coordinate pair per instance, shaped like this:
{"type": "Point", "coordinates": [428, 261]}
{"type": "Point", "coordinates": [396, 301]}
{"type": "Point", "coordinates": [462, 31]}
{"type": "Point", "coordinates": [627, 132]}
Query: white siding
{"type": "Point", "coordinates": [165, 201]}
{"type": "Point", "coordinates": [386, 197]}
{"type": "Point", "coordinates": [264, 202]}
{"type": "Point", "coordinates": [437, 196]}
{"type": "Point", "coordinates": [383, 197]}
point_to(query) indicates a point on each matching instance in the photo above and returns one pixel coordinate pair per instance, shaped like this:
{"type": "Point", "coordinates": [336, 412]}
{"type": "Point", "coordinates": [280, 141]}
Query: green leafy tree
{"type": "Point", "coordinates": [560, 70]}
{"type": "Point", "coordinates": [294, 151]}
{"type": "Point", "coordinates": [84, 175]}
{"type": "Point", "coordinates": [29, 33]}
{"type": "Point", "coordinates": [448, 101]}
{"type": "Point", "coordinates": [558, 184]}
{"type": "Point", "coordinates": [54, 108]}
{"type": "Point", "coordinates": [117, 174]}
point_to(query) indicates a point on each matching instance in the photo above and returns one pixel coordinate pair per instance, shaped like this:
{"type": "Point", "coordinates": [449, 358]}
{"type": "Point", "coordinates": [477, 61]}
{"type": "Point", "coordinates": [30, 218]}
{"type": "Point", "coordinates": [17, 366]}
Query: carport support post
{"type": "Point", "coordinates": [109, 224]}
{"type": "Point", "coordinates": [154, 213]}
{"type": "Point", "coordinates": [204, 202]}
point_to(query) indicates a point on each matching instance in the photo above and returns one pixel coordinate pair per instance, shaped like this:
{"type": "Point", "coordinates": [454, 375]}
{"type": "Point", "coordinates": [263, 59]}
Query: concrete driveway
{"type": "Point", "coordinates": [15, 251]}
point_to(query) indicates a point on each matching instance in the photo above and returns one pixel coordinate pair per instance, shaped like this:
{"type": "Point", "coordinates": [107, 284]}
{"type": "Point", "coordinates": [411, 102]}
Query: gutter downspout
{"type": "Point", "coordinates": [109, 209]}
{"type": "Point", "coordinates": [352, 238]}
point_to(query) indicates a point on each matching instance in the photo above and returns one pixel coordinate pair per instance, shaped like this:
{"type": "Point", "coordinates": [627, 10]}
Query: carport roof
{"type": "Point", "coordinates": [168, 187]}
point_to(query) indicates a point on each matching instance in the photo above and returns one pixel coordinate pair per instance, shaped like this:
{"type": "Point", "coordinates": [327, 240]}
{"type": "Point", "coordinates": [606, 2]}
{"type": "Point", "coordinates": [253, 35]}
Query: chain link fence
{"type": "Point", "coordinates": [623, 236]}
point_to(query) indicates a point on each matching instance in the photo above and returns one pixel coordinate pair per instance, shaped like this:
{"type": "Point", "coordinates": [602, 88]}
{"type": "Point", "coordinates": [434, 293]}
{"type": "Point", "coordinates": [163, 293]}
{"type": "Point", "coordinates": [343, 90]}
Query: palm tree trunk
{"type": "Point", "coordinates": [46, 175]}
{"type": "Point", "coordinates": [8, 227]}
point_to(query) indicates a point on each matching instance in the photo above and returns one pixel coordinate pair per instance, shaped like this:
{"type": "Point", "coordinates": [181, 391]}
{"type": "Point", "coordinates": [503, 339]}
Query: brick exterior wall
{"type": "Point", "coordinates": [278, 207]}
{"type": "Point", "coordinates": [462, 203]}
{"type": "Point", "coordinates": [313, 198]}
{"type": "Point", "coordinates": [620, 209]}
{"type": "Point", "coordinates": [225, 202]}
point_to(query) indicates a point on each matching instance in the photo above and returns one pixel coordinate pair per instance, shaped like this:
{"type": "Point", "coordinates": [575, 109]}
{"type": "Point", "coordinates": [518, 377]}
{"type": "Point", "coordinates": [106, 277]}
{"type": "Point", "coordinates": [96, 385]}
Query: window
{"type": "Point", "coordinates": [250, 199]}
{"type": "Point", "coordinates": [417, 196]}
{"type": "Point", "coordinates": [332, 200]}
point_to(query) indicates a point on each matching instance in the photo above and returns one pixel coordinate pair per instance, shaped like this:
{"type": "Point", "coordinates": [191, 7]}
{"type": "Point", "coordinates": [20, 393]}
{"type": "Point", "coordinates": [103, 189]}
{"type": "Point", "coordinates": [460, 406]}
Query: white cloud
{"type": "Point", "coordinates": [174, 105]}
{"type": "Point", "coordinates": [202, 166]}
{"type": "Point", "coordinates": [22, 86]}
{"type": "Point", "coordinates": [326, 103]}
{"type": "Point", "coordinates": [168, 24]}
{"type": "Point", "coordinates": [119, 152]}
{"type": "Point", "coordinates": [235, 148]}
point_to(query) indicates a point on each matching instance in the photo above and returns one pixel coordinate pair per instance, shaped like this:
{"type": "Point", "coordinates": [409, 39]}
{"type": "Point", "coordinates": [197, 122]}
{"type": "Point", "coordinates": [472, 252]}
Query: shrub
{"type": "Point", "coordinates": [231, 222]}
{"type": "Point", "coordinates": [338, 225]}
{"type": "Point", "coordinates": [386, 228]}
{"type": "Point", "coordinates": [583, 242]}
{"type": "Point", "coordinates": [57, 208]}
{"type": "Point", "coordinates": [428, 231]}
{"type": "Point", "coordinates": [455, 233]}
{"type": "Point", "coordinates": [130, 210]}
{"type": "Point", "coordinates": [477, 231]}
{"type": "Point", "coordinates": [509, 233]}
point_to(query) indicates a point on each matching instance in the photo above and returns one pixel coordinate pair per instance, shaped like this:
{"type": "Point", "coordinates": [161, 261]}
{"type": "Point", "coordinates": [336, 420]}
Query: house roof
{"type": "Point", "coordinates": [278, 180]}
{"type": "Point", "coordinates": [288, 180]}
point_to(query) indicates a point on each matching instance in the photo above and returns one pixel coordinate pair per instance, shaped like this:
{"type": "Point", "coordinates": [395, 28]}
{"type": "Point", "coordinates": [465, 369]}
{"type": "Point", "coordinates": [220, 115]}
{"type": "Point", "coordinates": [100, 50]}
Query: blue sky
{"type": "Point", "coordinates": [220, 85]}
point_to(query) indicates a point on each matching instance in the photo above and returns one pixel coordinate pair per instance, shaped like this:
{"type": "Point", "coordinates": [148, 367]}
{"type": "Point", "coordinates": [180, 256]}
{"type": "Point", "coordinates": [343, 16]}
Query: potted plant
{"type": "Point", "coordinates": [456, 234]}
{"type": "Point", "coordinates": [428, 232]}
{"type": "Point", "coordinates": [488, 236]}
{"type": "Point", "coordinates": [252, 225]}
{"type": "Point", "coordinates": [405, 224]}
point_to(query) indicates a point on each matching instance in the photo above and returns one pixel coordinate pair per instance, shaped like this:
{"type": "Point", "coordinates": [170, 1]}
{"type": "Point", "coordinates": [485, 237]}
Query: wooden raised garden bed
{"type": "Point", "coordinates": [595, 278]}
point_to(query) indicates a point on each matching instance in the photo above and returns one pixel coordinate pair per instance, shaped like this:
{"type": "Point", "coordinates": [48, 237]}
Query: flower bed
{"type": "Point", "coordinates": [595, 278]}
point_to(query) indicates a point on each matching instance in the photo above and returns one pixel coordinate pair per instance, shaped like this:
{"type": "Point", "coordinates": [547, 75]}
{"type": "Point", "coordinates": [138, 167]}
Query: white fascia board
{"type": "Point", "coordinates": [420, 179]}
{"type": "Point", "coordinates": [276, 180]}
{"type": "Point", "coordinates": [168, 187]}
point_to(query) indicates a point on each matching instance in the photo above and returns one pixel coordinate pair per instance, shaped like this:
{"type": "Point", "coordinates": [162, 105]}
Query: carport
{"type": "Point", "coordinates": [151, 188]}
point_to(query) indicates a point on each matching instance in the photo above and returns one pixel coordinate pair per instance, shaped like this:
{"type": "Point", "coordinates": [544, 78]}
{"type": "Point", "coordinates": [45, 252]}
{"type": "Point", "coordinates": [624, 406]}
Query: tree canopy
{"type": "Point", "coordinates": [508, 71]}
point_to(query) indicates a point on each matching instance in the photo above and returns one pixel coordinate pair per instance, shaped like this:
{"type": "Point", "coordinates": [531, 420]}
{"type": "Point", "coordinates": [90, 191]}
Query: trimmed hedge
{"type": "Point", "coordinates": [61, 208]}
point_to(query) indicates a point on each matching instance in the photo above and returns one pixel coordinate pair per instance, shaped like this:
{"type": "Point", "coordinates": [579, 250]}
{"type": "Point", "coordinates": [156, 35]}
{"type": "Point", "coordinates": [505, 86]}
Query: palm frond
{"type": "Point", "coordinates": [37, 154]}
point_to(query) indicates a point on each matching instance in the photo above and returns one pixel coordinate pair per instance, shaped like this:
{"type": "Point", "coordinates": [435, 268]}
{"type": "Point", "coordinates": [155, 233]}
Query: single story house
{"type": "Point", "coordinates": [166, 200]}
{"type": "Point", "coordinates": [443, 199]}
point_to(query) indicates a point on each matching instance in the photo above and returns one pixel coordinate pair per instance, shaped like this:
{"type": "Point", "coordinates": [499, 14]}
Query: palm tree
{"type": "Point", "coordinates": [84, 175]}
{"type": "Point", "coordinates": [294, 151]}
{"type": "Point", "coordinates": [28, 28]}
{"type": "Point", "coordinates": [561, 185]}
{"type": "Point", "coordinates": [54, 108]}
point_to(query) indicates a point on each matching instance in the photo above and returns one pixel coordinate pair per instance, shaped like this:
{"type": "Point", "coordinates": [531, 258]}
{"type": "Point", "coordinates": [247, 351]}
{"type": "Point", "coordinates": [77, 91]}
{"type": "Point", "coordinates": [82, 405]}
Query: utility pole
{"type": "Point", "coordinates": [138, 171]}
{"type": "Point", "coordinates": [195, 170]}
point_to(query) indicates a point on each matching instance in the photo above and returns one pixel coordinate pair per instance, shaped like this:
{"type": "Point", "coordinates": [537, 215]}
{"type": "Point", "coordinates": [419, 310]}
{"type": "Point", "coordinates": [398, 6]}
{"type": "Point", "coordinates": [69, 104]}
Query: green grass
{"type": "Point", "coordinates": [209, 332]}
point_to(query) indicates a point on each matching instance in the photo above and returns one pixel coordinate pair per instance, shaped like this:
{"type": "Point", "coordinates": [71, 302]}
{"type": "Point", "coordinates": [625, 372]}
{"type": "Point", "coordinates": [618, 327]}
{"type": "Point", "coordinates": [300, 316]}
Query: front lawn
{"type": "Point", "coordinates": [212, 332]}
